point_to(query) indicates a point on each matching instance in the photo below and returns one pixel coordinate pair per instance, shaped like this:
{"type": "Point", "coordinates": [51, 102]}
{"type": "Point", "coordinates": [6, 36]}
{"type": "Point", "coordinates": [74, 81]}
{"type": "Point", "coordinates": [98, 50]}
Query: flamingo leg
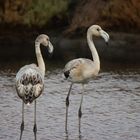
{"type": "Point", "coordinates": [79, 111]}
{"type": "Point", "coordinates": [67, 105]}
{"type": "Point", "coordinates": [22, 123]}
{"type": "Point", "coordinates": [35, 126]}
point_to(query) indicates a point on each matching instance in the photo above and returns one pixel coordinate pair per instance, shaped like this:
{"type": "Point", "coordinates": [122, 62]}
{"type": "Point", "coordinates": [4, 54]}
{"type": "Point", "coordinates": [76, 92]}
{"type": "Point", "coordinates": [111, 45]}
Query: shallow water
{"type": "Point", "coordinates": [111, 108]}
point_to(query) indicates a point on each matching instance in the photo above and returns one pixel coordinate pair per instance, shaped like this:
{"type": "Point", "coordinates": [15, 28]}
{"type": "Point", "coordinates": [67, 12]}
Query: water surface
{"type": "Point", "coordinates": [111, 107]}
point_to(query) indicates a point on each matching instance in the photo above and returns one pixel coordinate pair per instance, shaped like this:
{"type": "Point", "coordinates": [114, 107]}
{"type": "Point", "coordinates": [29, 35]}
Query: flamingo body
{"type": "Point", "coordinates": [29, 83]}
{"type": "Point", "coordinates": [80, 70]}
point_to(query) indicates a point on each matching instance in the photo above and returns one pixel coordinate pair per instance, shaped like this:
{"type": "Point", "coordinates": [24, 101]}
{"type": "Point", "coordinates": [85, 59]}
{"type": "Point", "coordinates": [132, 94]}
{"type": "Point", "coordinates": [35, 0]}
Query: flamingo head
{"type": "Point", "coordinates": [45, 41]}
{"type": "Point", "coordinates": [96, 30]}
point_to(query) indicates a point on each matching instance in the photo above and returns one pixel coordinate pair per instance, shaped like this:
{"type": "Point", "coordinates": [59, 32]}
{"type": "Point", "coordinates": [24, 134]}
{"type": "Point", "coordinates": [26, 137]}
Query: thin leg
{"type": "Point", "coordinates": [22, 123]}
{"type": "Point", "coordinates": [35, 126]}
{"type": "Point", "coordinates": [80, 112]}
{"type": "Point", "coordinates": [67, 105]}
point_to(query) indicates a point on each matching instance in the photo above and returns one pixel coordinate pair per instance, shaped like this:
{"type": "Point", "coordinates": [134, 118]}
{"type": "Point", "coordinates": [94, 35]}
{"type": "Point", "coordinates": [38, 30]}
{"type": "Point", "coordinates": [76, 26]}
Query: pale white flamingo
{"type": "Point", "coordinates": [30, 79]}
{"type": "Point", "coordinates": [81, 70]}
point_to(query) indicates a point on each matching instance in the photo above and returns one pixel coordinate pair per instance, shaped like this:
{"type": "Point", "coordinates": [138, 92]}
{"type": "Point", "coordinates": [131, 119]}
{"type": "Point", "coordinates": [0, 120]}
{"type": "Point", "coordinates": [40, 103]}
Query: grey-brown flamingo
{"type": "Point", "coordinates": [30, 79]}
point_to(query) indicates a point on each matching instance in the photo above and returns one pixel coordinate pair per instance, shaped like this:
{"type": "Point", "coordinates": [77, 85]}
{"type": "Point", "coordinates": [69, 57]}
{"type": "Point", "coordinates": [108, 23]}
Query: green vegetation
{"type": "Point", "coordinates": [39, 12]}
{"type": "Point", "coordinates": [75, 15]}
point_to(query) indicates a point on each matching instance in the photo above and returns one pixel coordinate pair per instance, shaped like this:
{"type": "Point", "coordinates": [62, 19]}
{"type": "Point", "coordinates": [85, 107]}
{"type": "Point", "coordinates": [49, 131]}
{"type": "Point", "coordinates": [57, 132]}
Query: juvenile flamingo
{"type": "Point", "coordinates": [30, 79]}
{"type": "Point", "coordinates": [81, 70]}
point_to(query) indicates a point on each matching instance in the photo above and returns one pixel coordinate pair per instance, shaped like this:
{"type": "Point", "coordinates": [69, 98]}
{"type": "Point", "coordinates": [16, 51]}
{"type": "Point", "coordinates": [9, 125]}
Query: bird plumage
{"type": "Point", "coordinates": [29, 83]}
{"type": "Point", "coordinates": [30, 79]}
{"type": "Point", "coordinates": [81, 70]}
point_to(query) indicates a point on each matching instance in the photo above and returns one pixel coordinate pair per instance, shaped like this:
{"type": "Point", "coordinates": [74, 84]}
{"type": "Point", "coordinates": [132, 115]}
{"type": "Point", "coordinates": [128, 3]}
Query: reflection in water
{"type": "Point", "coordinates": [79, 137]}
{"type": "Point", "coordinates": [111, 108]}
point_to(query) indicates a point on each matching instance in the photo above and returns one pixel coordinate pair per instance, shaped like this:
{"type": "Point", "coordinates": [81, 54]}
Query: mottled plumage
{"type": "Point", "coordinates": [30, 79]}
{"type": "Point", "coordinates": [29, 83]}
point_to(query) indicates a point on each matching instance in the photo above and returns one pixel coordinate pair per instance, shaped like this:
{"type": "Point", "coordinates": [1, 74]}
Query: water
{"type": "Point", "coordinates": [111, 107]}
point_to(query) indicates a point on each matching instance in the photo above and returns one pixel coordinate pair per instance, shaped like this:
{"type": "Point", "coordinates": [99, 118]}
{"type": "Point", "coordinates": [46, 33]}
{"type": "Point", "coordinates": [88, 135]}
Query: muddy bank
{"type": "Point", "coordinates": [122, 47]}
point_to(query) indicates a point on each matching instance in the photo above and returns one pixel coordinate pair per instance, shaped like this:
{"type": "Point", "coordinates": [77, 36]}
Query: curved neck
{"type": "Point", "coordinates": [93, 49]}
{"type": "Point", "coordinates": [39, 57]}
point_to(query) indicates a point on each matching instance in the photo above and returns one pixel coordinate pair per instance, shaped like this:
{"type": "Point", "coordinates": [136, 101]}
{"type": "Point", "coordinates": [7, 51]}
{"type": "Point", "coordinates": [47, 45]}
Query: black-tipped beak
{"type": "Point", "coordinates": [107, 43]}
{"type": "Point", "coordinates": [50, 55]}
{"type": "Point", "coordinates": [105, 36]}
{"type": "Point", "coordinates": [50, 49]}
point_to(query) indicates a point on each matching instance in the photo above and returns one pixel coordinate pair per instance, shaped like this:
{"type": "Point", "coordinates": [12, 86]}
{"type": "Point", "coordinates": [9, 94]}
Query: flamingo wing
{"type": "Point", "coordinates": [79, 70]}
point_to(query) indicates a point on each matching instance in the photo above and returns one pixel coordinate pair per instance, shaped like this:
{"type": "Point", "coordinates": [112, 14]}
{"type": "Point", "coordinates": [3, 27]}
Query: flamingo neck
{"type": "Point", "coordinates": [39, 57]}
{"type": "Point", "coordinates": [93, 50]}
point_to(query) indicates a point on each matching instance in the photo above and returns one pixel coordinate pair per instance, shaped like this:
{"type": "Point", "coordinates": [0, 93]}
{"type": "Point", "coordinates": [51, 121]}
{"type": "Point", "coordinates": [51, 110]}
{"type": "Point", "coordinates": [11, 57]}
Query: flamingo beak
{"type": "Point", "coordinates": [105, 36]}
{"type": "Point", "coordinates": [107, 43]}
{"type": "Point", "coordinates": [50, 49]}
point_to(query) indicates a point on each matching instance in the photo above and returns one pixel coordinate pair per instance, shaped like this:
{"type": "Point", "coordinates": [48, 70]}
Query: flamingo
{"type": "Point", "coordinates": [81, 70]}
{"type": "Point", "coordinates": [30, 79]}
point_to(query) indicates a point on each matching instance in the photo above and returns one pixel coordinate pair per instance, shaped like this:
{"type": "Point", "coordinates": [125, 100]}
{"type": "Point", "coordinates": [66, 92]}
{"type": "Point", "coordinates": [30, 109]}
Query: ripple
{"type": "Point", "coordinates": [111, 108]}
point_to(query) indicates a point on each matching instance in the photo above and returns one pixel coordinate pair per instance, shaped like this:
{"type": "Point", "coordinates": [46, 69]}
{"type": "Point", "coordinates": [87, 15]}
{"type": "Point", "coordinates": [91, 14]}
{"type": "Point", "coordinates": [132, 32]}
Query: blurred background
{"type": "Point", "coordinates": [66, 23]}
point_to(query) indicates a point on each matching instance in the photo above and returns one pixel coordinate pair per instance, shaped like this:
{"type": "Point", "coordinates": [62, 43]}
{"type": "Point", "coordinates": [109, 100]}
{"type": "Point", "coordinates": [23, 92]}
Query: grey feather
{"type": "Point", "coordinates": [29, 83]}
